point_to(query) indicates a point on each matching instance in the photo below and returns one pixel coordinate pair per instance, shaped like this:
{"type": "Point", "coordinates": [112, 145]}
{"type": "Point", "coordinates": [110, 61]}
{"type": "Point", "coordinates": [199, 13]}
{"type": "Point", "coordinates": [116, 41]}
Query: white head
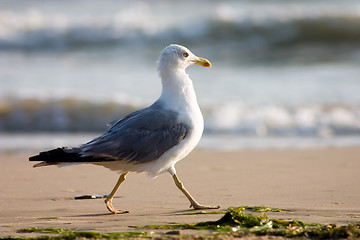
{"type": "Point", "coordinates": [178, 57]}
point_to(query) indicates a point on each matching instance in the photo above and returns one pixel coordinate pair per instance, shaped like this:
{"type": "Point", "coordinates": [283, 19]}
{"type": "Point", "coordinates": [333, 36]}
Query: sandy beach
{"type": "Point", "coordinates": [316, 185]}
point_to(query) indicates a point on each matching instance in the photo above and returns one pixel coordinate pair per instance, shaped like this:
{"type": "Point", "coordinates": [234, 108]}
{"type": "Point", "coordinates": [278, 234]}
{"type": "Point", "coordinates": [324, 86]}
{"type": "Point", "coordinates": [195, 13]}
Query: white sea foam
{"type": "Point", "coordinates": [277, 120]}
{"type": "Point", "coordinates": [82, 115]}
{"type": "Point", "coordinates": [252, 25]}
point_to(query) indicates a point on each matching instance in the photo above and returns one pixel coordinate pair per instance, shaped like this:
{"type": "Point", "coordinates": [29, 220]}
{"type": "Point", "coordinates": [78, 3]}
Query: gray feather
{"type": "Point", "coordinates": [141, 136]}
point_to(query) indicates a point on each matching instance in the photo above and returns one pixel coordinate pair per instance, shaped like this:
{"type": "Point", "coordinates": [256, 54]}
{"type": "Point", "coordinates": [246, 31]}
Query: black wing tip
{"type": "Point", "coordinates": [42, 156]}
{"type": "Point", "coordinates": [34, 158]}
{"type": "Point", "coordinates": [58, 155]}
{"type": "Point", "coordinates": [47, 158]}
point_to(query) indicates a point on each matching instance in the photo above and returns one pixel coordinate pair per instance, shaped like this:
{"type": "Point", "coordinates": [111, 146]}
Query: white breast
{"type": "Point", "coordinates": [185, 103]}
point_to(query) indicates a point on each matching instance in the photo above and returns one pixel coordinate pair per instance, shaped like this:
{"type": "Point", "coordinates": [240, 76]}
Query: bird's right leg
{"type": "Point", "coordinates": [193, 202]}
{"type": "Point", "coordinates": [110, 197]}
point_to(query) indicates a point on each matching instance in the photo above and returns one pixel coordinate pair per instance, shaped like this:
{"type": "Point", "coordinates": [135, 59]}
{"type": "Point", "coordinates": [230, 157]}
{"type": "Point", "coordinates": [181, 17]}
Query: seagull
{"type": "Point", "coordinates": [150, 140]}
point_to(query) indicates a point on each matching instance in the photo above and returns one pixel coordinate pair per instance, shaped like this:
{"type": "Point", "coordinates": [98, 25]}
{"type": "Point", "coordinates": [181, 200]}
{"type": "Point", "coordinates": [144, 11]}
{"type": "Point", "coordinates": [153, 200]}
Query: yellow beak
{"type": "Point", "coordinates": [202, 62]}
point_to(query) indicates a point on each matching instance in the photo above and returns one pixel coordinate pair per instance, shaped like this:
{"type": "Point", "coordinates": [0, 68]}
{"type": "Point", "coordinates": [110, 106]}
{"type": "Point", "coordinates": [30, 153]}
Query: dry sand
{"type": "Point", "coordinates": [317, 185]}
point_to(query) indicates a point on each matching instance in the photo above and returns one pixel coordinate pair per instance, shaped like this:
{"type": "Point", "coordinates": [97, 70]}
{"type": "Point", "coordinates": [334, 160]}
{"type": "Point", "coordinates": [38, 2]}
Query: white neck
{"type": "Point", "coordinates": [177, 86]}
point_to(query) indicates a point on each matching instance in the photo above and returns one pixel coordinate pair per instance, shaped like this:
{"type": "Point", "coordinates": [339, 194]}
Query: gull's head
{"type": "Point", "coordinates": [179, 57]}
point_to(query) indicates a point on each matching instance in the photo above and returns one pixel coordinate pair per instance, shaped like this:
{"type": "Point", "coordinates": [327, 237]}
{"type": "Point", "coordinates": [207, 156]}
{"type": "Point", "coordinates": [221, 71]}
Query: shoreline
{"type": "Point", "coordinates": [316, 185]}
{"type": "Point", "coordinates": [33, 142]}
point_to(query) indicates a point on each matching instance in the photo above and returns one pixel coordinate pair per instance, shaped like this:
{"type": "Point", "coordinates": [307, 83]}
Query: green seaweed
{"type": "Point", "coordinates": [44, 230]}
{"type": "Point", "coordinates": [234, 219]}
{"type": "Point", "coordinates": [263, 208]}
{"type": "Point", "coordinates": [234, 223]}
{"type": "Point", "coordinates": [69, 234]}
{"type": "Point", "coordinates": [243, 224]}
{"type": "Point", "coordinates": [237, 223]}
{"type": "Point", "coordinates": [48, 218]}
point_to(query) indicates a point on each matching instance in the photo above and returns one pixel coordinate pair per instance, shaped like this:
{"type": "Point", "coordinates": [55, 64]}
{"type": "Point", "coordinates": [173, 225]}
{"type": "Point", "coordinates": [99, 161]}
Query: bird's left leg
{"type": "Point", "coordinates": [110, 197]}
{"type": "Point", "coordinates": [193, 202]}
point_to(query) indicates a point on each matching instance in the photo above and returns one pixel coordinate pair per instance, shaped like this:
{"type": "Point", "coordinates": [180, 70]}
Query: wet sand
{"type": "Point", "coordinates": [316, 185]}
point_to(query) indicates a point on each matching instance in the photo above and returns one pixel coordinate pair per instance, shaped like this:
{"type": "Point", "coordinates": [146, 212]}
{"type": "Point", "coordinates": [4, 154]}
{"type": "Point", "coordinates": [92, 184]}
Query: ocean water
{"type": "Point", "coordinates": [285, 73]}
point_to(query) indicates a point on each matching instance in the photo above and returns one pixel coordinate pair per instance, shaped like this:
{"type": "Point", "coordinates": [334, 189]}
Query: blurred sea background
{"type": "Point", "coordinates": [286, 73]}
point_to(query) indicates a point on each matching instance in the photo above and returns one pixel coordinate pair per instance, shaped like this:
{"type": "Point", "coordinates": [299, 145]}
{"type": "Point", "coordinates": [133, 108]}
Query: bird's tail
{"type": "Point", "coordinates": [61, 156]}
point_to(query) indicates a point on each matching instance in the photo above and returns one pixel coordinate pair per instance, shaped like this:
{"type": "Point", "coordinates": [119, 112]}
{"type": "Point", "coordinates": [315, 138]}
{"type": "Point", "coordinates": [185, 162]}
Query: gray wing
{"type": "Point", "coordinates": [141, 136]}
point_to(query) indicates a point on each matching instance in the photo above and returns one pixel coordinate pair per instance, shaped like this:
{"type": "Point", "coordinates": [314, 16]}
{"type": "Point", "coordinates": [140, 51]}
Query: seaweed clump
{"type": "Point", "coordinates": [264, 208]}
{"type": "Point", "coordinates": [71, 235]}
{"type": "Point", "coordinates": [241, 224]}
{"type": "Point", "coordinates": [237, 223]}
{"type": "Point", "coordinates": [234, 223]}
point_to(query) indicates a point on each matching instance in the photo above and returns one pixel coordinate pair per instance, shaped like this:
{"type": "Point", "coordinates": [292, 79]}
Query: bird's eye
{"type": "Point", "coordinates": [185, 54]}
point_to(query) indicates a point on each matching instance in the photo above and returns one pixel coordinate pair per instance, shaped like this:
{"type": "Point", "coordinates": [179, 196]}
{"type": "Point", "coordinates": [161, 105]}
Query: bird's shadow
{"type": "Point", "coordinates": [94, 215]}
{"type": "Point", "coordinates": [180, 212]}
{"type": "Point", "coordinates": [186, 211]}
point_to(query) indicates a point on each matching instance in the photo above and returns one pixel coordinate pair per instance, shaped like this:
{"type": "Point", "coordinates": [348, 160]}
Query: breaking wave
{"type": "Point", "coordinates": [36, 30]}
{"type": "Point", "coordinates": [78, 115]}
